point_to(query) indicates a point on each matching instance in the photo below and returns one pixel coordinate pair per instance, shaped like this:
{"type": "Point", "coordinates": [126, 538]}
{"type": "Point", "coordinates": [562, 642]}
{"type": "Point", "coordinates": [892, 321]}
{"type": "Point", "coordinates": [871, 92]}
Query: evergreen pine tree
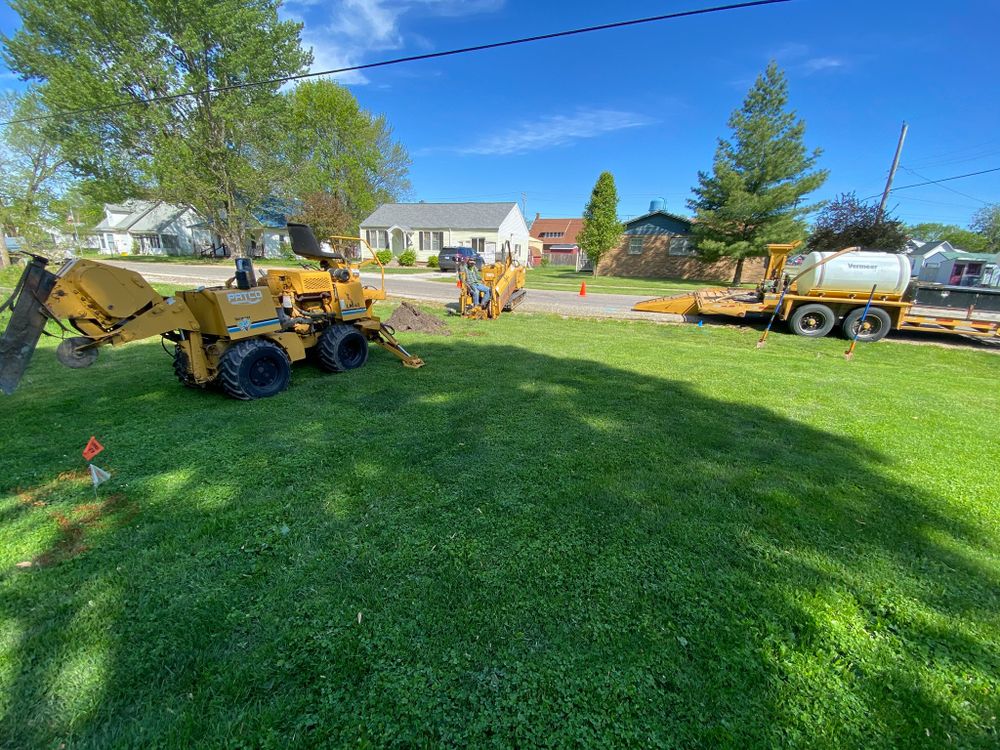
{"type": "Point", "coordinates": [759, 178]}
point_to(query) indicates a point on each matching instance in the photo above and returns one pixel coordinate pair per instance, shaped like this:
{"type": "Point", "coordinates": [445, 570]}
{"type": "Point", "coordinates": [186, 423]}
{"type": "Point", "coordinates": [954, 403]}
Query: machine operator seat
{"type": "Point", "coordinates": [305, 244]}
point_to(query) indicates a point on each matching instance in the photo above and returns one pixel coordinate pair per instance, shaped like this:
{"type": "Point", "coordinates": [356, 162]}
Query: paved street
{"type": "Point", "coordinates": [422, 287]}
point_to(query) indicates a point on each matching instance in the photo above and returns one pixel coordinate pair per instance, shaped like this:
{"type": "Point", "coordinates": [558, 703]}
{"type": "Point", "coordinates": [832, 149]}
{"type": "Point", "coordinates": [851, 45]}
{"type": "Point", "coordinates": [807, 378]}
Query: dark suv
{"type": "Point", "coordinates": [450, 257]}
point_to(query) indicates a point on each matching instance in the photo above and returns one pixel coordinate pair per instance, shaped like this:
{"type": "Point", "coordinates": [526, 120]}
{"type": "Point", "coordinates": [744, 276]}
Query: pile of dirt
{"type": "Point", "coordinates": [408, 317]}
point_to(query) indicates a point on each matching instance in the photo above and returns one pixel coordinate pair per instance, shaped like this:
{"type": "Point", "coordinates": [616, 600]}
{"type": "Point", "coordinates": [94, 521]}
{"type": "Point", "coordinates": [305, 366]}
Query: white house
{"type": "Point", "coordinates": [921, 253]}
{"type": "Point", "coordinates": [140, 227]}
{"type": "Point", "coordinates": [143, 227]}
{"type": "Point", "coordinates": [429, 227]}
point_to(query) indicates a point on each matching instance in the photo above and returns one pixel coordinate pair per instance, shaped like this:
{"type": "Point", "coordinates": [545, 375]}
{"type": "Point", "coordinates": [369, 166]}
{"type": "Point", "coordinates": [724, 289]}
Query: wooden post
{"type": "Point", "coordinates": [892, 175]}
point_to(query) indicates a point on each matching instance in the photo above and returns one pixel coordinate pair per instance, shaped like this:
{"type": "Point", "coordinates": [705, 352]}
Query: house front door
{"type": "Point", "coordinates": [397, 241]}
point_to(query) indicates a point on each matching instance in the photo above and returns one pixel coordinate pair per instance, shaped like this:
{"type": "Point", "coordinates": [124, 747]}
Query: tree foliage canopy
{"type": "Point", "coordinates": [986, 221]}
{"type": "Point", "coordinates": [214, 151]}
{"type": "Point", "coordinates": [224, 151]}
{"type": "Point", "coordinates": [759, 178]}
{"type": "Point", "coordinates": [601, 229]}
{"type": "Point", "coordinates": [964, 239]}
{"type": "Point", "coordinates": [346, 157]}
{"type": "Point", "coordinates": [848, 222]}
{"type": "Point", "coordinates": [32, 171]}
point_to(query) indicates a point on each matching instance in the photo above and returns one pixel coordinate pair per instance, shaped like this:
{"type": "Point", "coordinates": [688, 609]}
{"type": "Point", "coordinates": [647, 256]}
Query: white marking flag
{"type": "Point", "coordinates": [98, 476]}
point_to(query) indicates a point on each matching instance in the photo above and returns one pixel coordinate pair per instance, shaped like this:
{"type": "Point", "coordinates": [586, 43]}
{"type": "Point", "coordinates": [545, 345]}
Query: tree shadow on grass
{"type": "Point", "coordinates": [504, 548]}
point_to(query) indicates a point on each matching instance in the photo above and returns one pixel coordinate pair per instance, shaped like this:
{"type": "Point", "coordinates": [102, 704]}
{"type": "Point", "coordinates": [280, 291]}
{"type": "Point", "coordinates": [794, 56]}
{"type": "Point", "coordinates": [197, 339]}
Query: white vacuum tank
{"type": "Point", "coordinates": [854, 272]}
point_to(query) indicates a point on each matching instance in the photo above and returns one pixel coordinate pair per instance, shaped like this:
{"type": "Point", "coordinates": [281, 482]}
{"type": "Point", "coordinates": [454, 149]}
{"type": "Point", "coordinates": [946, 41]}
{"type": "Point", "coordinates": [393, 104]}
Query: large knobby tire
{"type": "Point", "coordinates": [342, 348]}
{"type": "Point", "coordinates": [876, 326]}
{"type": "Point", "coordinates": [182, 368]}
{"type": "Point", "coordinates": [254, 368]}
{"type": "Point", "coordinates": [812, 321]}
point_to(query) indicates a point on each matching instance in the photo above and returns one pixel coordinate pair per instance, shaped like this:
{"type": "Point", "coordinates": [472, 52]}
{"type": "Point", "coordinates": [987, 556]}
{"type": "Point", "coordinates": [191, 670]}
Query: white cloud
{"type": "Point", "coordinates": [798, 57]}
{"type": "Point", "coordinates": [816, 64]}
{"type": "Point", "coordinates": [341, 33]}
{"type": "Point", "coordinates": [550, 132]}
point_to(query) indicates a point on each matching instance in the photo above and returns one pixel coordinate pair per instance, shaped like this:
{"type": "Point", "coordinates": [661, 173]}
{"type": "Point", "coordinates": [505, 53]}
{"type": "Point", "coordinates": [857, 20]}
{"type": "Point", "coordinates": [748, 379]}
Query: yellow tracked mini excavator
{"type": "Point", "coordinates": [505, 282]}
{"type": "Point", "coordinates": [241, 337]}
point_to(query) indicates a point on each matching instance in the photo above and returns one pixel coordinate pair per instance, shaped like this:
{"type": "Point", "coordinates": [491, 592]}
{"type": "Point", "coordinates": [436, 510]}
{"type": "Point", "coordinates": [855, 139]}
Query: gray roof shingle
{"type": "Point", "coordinates": [440, 215]}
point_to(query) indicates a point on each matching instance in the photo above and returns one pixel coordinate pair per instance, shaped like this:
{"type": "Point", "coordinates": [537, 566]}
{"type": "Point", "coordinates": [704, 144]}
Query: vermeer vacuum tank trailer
{"type": "Point", "coordinates": [833, 288]}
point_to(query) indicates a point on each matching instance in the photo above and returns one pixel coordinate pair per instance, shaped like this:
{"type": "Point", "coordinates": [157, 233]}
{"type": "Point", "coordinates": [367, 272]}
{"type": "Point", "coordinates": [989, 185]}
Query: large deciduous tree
{"type": "Point", "coordinates": [964, 239]}
{"type": "Point", "coordinates": [848, 222]}
{"type": "Point", "coordinates": [31, 168]}
{"type": "Point", "coordinates": [760, 177]}
{"type": "Point", "coordinates": [217, 150]}
{"type": "Point", "coordinates": [986, 221]}
{"type": "Point", "coordinates": [346, 158]}
{"type": "Point", "coordinates": [601, 228]}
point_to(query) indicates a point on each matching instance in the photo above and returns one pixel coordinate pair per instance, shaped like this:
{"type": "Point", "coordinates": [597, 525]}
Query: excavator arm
{"type": "Point", "coordinates": [107, 304]}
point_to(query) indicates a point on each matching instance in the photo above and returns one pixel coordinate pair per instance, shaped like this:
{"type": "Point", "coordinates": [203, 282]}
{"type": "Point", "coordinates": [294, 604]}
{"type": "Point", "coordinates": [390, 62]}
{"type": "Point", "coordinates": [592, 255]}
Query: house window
{"type": "Point", "coordinates": [479, 244]}
{"type": "Point", "coordinates": [680, 245]}
{"type": "Point", "coordinates": [151, 241]}
{"type": "Point", "coordinates": [635, 245]}
{"type": "Point", "coordinates": [551, 234]}
{"type": "Point", "coordinates": [378, 239]}
{"type": "Point", "coordinates": [430, 242]}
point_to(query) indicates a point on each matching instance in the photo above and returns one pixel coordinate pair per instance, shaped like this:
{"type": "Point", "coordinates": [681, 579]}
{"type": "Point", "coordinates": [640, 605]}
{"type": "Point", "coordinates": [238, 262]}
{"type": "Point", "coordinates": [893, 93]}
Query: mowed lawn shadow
{"type": "Point", "coordinates": [504, 548]}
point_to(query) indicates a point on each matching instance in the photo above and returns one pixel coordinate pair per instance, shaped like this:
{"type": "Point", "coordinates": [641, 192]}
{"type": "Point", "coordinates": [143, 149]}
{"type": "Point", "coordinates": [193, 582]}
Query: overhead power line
{"type": "Point", "coordinates": [937, 182]}
{"type": "Point", "coordinates": [946, 187]}
{"type": "Point", "coordinates": [399, 60]}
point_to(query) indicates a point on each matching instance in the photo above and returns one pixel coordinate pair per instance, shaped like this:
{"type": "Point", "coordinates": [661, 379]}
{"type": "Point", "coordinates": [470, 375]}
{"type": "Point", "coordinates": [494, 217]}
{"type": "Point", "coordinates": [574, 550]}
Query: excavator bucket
{"type": "Point", "coordinates": [26, 323]}
{"type": "Point", "coordinates": [678, 304]}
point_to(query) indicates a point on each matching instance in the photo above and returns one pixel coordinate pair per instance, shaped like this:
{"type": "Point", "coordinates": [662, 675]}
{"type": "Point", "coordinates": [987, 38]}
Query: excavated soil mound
{"type": "Point", "coordinates": [407, 317]}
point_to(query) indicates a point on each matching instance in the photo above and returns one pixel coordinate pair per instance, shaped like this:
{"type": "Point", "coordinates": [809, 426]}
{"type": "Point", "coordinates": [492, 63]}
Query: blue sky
{"type": "Point", "coordinates": [647, 103]}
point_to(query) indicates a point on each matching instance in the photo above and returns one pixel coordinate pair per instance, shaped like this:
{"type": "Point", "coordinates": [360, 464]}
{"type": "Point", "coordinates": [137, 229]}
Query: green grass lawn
{"type": "Point", "coordinates": [557, 533]}
{"type": "Point", "coordinates": [560, 278]}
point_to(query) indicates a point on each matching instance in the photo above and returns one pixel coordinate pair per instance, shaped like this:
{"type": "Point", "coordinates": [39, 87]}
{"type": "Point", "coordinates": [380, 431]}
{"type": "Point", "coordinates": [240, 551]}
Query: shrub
{"type": "Point", "coordinates": [432, 262]}
{"type": "Point", "coordinates": [384, 257]}
{"type": "Point", "coordinates": [407, 258]}
{"type": "Point", "coordinates": [545, 262]}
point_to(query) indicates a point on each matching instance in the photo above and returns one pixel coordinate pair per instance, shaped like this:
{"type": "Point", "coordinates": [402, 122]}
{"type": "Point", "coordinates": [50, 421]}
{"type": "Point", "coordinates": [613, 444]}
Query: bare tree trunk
{"type": "Point", "coordinates": [738, 275]}
{"type": "Point", "coordinates": [4, 255]}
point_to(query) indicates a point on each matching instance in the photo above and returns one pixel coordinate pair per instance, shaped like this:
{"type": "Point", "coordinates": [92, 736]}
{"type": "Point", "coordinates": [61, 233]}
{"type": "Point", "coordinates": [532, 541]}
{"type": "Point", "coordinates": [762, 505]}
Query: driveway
{"type": "Point", "coordinates": [422, 287]}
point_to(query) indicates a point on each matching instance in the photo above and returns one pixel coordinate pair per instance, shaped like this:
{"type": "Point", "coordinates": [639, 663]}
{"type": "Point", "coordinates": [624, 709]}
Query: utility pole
{"type": "Point", "coordinates": [524, 205]}
{"type": "Point", "coordinates": [892, 174]}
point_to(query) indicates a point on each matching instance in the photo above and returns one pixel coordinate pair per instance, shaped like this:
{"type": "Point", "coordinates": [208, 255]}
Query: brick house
{"type": "Point", "coordinates": [558, 240]}
{"type": "Point", "coordinates": [658, 244]}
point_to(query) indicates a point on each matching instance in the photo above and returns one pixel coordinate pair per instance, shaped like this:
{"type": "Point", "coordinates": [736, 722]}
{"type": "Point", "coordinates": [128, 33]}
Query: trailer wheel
{"type": "Point", "coordinates": [341, 348]}
{"type": "Point", "coordinates": [876, 326]}
{"type": "Point", "coordinates": [254, 368]}
{"type": "Point", "coordinates": [812, 321]}
{"type": "Point", "coordinates": [182, 368]}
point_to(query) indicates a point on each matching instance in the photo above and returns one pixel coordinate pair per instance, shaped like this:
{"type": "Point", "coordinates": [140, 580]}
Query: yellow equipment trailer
{"type": "Point", "coordinates": [504, 279]}
{"type": "Point", "coordinates": [241, 337]}
{"type": "Point", "coordinates": [815, 309]}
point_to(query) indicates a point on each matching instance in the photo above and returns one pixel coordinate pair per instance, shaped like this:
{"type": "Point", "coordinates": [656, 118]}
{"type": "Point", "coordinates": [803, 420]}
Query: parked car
{"type": "Point", "coordinates": [449, 257]}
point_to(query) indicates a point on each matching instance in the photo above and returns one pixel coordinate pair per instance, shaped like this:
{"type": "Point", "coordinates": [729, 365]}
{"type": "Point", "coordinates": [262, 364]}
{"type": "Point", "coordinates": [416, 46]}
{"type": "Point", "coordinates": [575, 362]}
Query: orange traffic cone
{"type": "Point", "coordinates": [458, 283]}
{"type": "Point", "coordinates": [583, 289]}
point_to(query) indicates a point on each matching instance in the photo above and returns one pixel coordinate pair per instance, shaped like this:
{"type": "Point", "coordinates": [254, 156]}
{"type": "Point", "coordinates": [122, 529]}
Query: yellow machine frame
{"type": "Point", "coordinates": [505, 280]}
{"type": "Point", "coordinates": [292, 308]}
{"type": "Point", "coordinates": [738, 302]}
